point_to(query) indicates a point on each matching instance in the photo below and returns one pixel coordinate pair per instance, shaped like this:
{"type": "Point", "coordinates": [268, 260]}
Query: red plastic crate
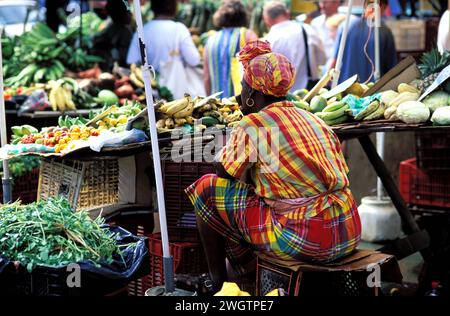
{"type": "Point", "coordinates": [188, 258]}
{"type": "Point", "coordinates": [433, 150]}
{"type": "Point", "coordinates": [181, 220]}
{"type": "Point", "coordinates": [25, 187]}
{"type": "Point", "coordinates": [422, 188]}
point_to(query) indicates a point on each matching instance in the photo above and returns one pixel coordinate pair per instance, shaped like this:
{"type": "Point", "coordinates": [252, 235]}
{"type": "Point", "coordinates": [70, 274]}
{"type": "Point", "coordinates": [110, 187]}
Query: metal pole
{"type": "Point", "coordinates": [337, 68]}
{"type": "Point", "coordinates": [377, 75]}
{"type": "Point", "coordinates": [6, 180]}
{"type": "Point", "coordinates": [146, 69]}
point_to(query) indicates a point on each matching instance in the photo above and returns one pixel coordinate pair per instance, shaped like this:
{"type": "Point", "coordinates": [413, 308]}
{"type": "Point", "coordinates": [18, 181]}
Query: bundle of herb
{"type": "Point", "coordinates": [51, 233]}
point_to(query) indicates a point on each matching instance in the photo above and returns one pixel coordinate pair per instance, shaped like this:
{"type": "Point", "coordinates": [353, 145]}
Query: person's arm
{"type": "Point", "coordinates": [134, 55]}
{"type": "Point", "coordinates": [206, 75]}
{"type": "Point", "coordinates": [188, 50]}
{"type": "Point", "coordinates": [333, 60]}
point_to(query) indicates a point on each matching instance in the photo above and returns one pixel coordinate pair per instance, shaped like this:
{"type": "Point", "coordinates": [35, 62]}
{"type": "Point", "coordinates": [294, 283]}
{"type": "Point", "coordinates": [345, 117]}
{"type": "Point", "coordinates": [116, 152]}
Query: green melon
{"type": "Point", "coordinates": [317, 104]}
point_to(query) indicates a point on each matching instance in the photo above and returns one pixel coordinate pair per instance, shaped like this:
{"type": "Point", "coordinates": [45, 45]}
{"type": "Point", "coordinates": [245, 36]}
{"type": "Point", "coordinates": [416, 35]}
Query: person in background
{"type": "Point", "coordinates": [223, 46]}
{"type": "Point", "coordinates": [288, 38]}
{"type": "Point", "coordinates": [113, 42]}
{"type": "Point", "coordinates": [282, 192]}
{"type": "Point", "coordinates": [163, 37]}
{"type": "Point", "coordinates": [53, 17]}
{"type": "Point", "coordinates": [359, 51]}
{"type": "Point", "coordinates": [443, 41]}
{"type": "Point", "coordinates": [328, 8]}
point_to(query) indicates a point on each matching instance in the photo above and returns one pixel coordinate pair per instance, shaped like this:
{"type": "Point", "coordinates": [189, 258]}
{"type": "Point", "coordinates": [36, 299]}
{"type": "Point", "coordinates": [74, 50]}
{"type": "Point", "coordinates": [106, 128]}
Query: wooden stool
{"type": "Point", "coordinates": [349, 276]}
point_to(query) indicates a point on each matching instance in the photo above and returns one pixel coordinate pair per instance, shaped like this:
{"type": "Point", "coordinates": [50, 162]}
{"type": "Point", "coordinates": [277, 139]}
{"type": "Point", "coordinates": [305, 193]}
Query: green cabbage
{"type": "Point", "coordinates": [413, 112]}
{"type": "Point", "coordinates": [107, 97]}
{"type": "Point", "coordinates": [436, 100]}
{"type": "Point", "coordinates": [441, 116]}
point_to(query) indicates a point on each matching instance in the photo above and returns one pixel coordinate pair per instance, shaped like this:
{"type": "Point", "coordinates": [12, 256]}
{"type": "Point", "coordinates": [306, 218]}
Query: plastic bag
{"type": "Point", "coordinates": [37, 101]}
{"type": "Point", "coordinates": [357, 104]}
{"type": "Point", "coordinates": [95, 279]}
{"type": "Point", "coordinates": [110, 139]}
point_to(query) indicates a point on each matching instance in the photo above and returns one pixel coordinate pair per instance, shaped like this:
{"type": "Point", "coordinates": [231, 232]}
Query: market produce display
{"type": "Point", "coordinates": [50, 233]}
{"type": "Point", "coordinates": [197, 114]}
{"type": "Point", "coordinates": [41, 55]}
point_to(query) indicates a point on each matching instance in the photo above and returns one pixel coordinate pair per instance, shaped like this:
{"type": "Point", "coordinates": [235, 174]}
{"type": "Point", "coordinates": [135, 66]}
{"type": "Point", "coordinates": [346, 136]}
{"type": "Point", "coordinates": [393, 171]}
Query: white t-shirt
{"type": "Point", "coordinates": [443, 41]}
{"type": "Point", "coordinates": [287, 38]}
{"type": "Point", "coordinates": [161, 38]}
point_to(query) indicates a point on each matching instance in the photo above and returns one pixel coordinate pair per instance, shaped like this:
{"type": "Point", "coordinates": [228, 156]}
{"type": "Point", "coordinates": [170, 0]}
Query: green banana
{"type": "Point", "coordinates": [333, 106]}
{"type": "Point", "coordinates": [379, 113]}
{"type": "Point", "coordinates": [327, 116]}
{"type": "Point", "coordinates": [39, 75]}
{"type": "Point", "coordinates": [339, 120]}
{"type": "Point", "coordinates": [372, 107]}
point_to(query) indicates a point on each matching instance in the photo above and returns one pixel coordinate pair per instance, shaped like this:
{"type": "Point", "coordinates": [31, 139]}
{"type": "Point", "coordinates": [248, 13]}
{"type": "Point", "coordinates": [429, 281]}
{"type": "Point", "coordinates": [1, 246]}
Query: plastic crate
{"type": "Point", "coordinates": [422, 188]}
{"type": "Point", "coordinates": [86, 184]}
{"type": "Point", "coordinates": [433, 150]}
{"type": "Point", "coordinates": [181, 220]}
{"type": "Point", "coordinates": [188, 258]}
{"type": "Point", "coordinates": [25, 187]}
{"type": "Point", "coordinates": [139, 224]}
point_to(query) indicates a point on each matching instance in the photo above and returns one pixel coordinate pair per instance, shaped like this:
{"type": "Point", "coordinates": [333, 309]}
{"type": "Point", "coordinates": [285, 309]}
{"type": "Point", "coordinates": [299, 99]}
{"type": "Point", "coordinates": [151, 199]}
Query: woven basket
{"type": "Point", "coordinates": [86, 184]}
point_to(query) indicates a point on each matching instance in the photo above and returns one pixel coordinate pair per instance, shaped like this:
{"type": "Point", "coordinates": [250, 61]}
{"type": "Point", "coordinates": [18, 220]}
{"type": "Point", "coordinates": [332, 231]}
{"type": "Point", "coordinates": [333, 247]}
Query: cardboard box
{"type": "Point", "coordinates": [406, 71]}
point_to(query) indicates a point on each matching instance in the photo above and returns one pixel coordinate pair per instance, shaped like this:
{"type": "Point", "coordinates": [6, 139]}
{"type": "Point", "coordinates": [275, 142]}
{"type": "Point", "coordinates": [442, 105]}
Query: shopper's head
{"type": "Point", "coordinates": [329, 7]}
{"type": "Point", "coordinates": [275, 12]}
{"type": "Point", "coordinates": [231, 13]}
{"type": "Point", "coordinates": [369, 7]}
{"type": "Point", "coordinates": [166, 8]}
{"type": "Point", "coordinates": [118, 12]}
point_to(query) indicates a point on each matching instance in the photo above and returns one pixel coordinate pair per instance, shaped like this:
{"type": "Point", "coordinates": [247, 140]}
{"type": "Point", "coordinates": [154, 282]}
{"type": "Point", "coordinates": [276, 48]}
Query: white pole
{"type": "Point", "coordinates": [377, 75]}
{"type": "Point", "coordinates": [337, 68]}
{"type": "Point", "coordinates": [146, 70]}
{"type": "Point", "coordinates": [6, 181]}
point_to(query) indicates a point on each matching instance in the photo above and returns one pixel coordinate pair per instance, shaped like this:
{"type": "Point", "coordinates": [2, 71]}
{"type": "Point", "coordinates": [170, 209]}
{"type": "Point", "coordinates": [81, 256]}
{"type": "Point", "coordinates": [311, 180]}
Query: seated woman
{"type": "Point", "coordinates": [281, 187]}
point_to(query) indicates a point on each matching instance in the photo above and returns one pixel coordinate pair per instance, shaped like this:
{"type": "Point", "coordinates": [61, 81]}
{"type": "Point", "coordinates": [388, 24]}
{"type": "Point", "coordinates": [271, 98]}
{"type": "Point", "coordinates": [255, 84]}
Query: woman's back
{"type": "Point", "coordinates": [220, 49]}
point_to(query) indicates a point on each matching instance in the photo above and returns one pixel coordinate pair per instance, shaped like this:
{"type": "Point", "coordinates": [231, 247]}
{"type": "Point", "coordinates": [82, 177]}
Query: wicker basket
{"type": "Point", "coordinates": [86, 184]}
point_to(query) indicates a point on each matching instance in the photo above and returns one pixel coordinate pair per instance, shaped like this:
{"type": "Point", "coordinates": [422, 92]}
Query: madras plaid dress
{"type": "Point", "coordinates": [295, 156]}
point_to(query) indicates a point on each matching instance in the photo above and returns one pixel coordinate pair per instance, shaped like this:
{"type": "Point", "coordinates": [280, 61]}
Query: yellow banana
{"type": "Point", "coordinates": [68, 99]}
{"type": "Point", "coordinates": [52, 99]}
{"type": "Point", "coordinates": [60, 101]}
{"type": "Point", "coordinates": [187, 111]}
{"type": "Point", "coordinates": [178, 106]}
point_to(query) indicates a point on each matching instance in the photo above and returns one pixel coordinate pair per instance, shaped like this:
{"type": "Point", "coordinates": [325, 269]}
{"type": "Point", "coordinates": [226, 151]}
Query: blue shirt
{"type": "Point", "coordinates": [354, 60]}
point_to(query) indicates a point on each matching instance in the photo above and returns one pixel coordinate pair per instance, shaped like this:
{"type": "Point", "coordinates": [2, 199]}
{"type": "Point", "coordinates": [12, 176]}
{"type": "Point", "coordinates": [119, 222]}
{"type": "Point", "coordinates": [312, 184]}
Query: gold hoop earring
{"type": "Point", "coordinates": [250, 104]}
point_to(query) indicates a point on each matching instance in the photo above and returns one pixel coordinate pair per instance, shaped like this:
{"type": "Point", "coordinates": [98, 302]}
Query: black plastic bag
{"type": "Point", "coordinates": [95, 280]}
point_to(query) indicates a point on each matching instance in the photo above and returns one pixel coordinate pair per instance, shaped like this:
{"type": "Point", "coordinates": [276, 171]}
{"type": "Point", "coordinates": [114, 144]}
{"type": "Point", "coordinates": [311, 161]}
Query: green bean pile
{"type": "Point", "coordinates": [50, 233]}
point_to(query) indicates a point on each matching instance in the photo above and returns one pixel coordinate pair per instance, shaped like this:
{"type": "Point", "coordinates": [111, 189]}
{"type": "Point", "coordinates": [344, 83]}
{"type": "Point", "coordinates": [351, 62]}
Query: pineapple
{"type": "Point", "coordinates": [432, 63]}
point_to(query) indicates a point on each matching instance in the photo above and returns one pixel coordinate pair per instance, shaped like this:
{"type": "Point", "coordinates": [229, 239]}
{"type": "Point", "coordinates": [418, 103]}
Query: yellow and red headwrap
{"type": "Point", "coordinates": [265, 71]}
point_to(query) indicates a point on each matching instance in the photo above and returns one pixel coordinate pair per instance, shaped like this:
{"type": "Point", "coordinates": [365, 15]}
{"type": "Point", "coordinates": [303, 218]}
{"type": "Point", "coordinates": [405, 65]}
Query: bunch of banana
{"type": "Point", "coordinates": [374, 111]}
{"type": "Point", "coordinates": [176, 113]}
{"type": "Point", "coordinates": [334, 113]}
{"type": "Point", "coordinates": [60, 96]}
{"type": "Point", "coordinates": [136, 77]}
{"type": "Point", "coordinates": [236, 116]}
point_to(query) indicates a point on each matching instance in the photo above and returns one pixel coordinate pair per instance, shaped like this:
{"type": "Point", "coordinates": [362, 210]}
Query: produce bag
{"type": "Point", "coordinates": [110, 139]}
{"type": "Point", "coordinates": [358, 104]}
{"type": "Point", "coordinates": [37, 101]}
{"type": "Point", "coordinates": [96, 279]}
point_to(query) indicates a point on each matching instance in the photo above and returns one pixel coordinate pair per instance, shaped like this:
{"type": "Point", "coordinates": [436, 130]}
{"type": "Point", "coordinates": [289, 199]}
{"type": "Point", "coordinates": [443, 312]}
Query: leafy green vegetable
{"type": "Point", "coordinates": [50, 233]}
{"type": "Point", "coordinates": [21, 165]}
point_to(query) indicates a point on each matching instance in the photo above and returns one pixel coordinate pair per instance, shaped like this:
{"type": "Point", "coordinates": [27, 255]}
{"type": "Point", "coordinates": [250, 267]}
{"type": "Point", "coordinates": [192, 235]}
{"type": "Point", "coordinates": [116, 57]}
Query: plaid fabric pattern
{"type": "Point", "coordinates": [234, 210]}
{"type": "Point", "coordinates": [267, 72]}
{"type": "Point", "coordinates": [310, 165]}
